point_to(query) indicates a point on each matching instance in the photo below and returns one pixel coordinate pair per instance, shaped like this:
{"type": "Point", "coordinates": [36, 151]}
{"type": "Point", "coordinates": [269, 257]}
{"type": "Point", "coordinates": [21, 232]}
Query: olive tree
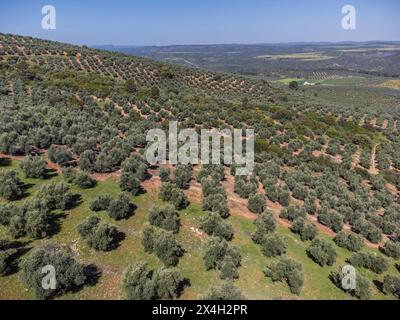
{"type": "Point", "coordinates": [98, 235]}
{"type": "Point", "coordinates": [391, 285]}
{"type": "Point", "coordinates": [351, 241]}
{"type": "Point", "coordinates": [10, 185]}
{"type": "Point", "coordinates": [165, 217]}
{"type": "Point", "coordinates": [363, 285]}
{"type": "Point", "coordinates": [226, 291]}
{"type": "Point", "coordinates": [307, 231]}
{"type": "Point", "coordinates": [70, 273]}
{"type": "Point", "coordinates": [163, 244]}
{"type": "Point", "coordinates": [322, 252]}
{"type": "Point", "coordinates": [376, 263]}
{"type": "Point", "coordinates": [265, 224]}
{"type": "Point", "coordinates": [34, 167]}
{"type": "Point", "coordinates": [288, 270]}
{"type": "Point", "coordinates": [120, 207]}
{"type": "Point", "coordinates": [100, 203]}
{"type": "Point", "coordinates": [214, 225]}
{"type": "Point", "coordinates": [257, 203]}
{"type": "Point", "coordinates": [171, 193]}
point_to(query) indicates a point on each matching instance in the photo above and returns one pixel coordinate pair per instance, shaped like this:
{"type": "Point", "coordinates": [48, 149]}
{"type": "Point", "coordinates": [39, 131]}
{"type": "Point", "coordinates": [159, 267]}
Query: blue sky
{"type": "Point", "coordinates": [161, 22]}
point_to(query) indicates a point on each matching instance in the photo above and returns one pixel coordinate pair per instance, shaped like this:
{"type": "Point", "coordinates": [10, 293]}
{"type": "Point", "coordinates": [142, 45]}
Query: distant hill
{"type": "Point", "coordinates": [377, 58]}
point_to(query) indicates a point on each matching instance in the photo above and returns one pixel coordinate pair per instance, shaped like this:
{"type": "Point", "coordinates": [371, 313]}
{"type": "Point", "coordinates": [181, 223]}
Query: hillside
{"type": "Point", "coordinates": [73, 124]}
{"type": "Point", "coordinates": [301, 60]}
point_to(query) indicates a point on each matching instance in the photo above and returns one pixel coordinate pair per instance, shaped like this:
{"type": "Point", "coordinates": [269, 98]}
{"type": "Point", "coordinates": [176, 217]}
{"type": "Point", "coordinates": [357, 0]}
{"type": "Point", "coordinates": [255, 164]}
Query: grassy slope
{"type": "Point", "coordinates": [252, 281]}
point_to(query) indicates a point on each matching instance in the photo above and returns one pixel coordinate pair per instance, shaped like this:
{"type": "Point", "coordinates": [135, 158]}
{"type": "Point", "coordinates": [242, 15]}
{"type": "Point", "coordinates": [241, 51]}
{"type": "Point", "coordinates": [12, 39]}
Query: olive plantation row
{"type": "Point", "coordinates": [71, 114]}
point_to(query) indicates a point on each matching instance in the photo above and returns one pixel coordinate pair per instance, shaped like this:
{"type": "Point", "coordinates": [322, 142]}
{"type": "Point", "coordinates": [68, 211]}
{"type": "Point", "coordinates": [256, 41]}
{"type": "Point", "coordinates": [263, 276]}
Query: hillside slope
{"type": "Point", "coordinates": [73, 124]}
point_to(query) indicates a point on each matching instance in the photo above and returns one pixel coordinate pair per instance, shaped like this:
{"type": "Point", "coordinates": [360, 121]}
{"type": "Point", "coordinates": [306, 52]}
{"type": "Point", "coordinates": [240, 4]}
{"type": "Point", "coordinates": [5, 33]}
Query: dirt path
{"type": "Point", "coordinates": [10, 88]}
{"type": "Point", "coordinates": [356, 158]}
{"type": "Point", "coordinates": [373, 169]}
{"type": "Point", "coordinates": [236, 204]}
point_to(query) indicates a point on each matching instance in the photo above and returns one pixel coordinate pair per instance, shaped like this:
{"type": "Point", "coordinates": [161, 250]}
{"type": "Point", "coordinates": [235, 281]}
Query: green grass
{"type": "Point", "coordinates": [252, 281]}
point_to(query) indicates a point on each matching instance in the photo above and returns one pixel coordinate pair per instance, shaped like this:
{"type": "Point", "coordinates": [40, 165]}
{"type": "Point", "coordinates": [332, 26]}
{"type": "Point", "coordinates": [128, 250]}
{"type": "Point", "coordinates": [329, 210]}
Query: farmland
{"type": "Point", "coordinates": [76, 187]}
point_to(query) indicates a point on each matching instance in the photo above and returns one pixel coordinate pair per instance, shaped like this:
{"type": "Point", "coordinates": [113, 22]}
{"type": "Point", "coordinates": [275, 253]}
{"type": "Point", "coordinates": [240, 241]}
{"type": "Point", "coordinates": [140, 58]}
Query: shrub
{"type": "Point", "coordinates": [100, 203]}
{"type": "Point", "coordinates": [373, 262]}
{"type": "Point", "coordinates": [70, 274]}
{"type": "Point", "coordinates": [10, 185]}
{"type": "Point", "coordinates": [34, 167]}
{"type": "Point", "coordinates": [322, 252]}
{"type": "Point", "coordinates": [98, 235]}
{"type": "Point", "coordinates": [165, 217]}
{"type": "Point", "coordinates": [119, 208]}
{"type": "Point", "coordinates": [287, 270]}
{"type": "Point", "coordinates": [226, 291]}
{"type": "Point", "coordinates": [257, 203]}
{"type": "Point", "coordinates": [214, 225]}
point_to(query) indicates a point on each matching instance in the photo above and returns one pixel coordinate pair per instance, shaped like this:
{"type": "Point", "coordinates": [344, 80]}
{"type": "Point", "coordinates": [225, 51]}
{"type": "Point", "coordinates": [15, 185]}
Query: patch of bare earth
{"type": "Point", "coordinates": [105, 176]}
{"type": "Point", "coordinates": [236, 204]}
{"type": "Point", "coordinates": [373, 169]}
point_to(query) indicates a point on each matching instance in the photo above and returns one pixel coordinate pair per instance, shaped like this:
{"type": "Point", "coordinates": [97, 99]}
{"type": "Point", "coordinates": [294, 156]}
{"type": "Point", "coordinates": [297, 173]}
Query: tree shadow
{"type": "Point", "coordinates": [379, 285]}
{"type": "Point", "coordinates": [21, 248]}
{"type": "Point", "coordinates": [24, 187]}
{"type": "Point", "coordinates": [4, 162]}
{"type": "Point", "coordinates": [92, 274]}
{"type": "Point", "coordinates": [141, 191]}
{"type": "Point", "coordinates": [185, 283]}
{"type": "Point", "coordinates": [50, 173]}
{"type": "Point", "coordinates": [119, 237]}
{"type": "Point", "coordinates": [75, 201]}
{"type": "Point", "coordinates": [132, 208]}
{"type": "Point", "coordinates": [55, 224]}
